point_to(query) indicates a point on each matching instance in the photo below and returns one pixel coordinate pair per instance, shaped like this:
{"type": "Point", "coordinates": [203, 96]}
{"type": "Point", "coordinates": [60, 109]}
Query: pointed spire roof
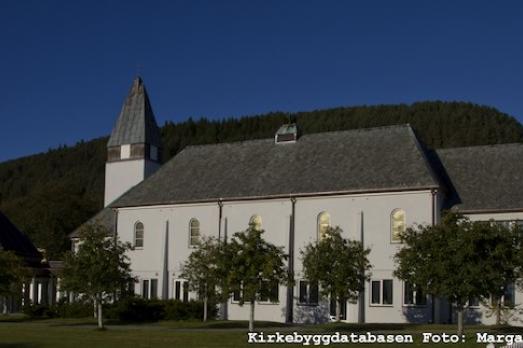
{"type": "Point", "coordinates": [136, 123]}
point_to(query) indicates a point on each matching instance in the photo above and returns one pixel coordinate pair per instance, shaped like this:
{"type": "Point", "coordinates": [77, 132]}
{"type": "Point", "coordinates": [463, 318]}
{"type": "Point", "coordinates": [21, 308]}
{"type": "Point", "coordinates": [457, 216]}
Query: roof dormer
{"type": "Point", "coordinates": [288, 133]}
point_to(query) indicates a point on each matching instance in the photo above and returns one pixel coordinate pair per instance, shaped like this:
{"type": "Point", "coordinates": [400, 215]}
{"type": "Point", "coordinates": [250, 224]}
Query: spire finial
{"type": "Point", "coordinates": [139, 68]}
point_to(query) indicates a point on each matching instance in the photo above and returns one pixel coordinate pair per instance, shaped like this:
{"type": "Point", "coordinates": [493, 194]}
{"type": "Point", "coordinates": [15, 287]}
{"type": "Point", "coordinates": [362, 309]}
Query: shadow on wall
{"type": "Point", "coordinates": [311, 314]}
{"type": "Point", "coordinates": [418, 315]}
{"type": "Point", "coordinates": [470, 316]}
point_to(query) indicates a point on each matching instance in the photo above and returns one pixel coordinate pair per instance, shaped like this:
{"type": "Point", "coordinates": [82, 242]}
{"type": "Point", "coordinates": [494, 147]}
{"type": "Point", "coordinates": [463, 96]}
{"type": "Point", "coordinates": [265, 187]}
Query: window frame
{"type": "Point", "coordinates": [414, 296]}
{"type": "Point", "coordinates": [240, 294]}
{"type": "Point", "coordinates": [308, 293]}
{"type": "Point", "coordinates": [268, 301]}
{"type": "Point", "coordinates": [258, 226]}
{"type": "Point", "coordinates": [136, 224]}
{"type": "Point", "coordinates": [381, 293]}
{"type": "Point", "coordinates": [191, 229]}
{"type": "Point", "coordinates": [392, 234]}
{"type": "Point", "coordinates": [319, 223]}
{"type": "Point", "coordinates": [181, 290]}
{"type": "Point", "coordinates": [146, 287]}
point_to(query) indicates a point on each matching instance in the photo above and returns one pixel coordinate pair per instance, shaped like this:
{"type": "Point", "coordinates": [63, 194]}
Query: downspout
{"type": "Point", "coordinates": [435, 303]}
{"type": "Point", "coordinates": [115, 224]}
{"type": "Point", "coordinates": [361, 299]}
{"type": "Point", "coordinates": [220, 208]}
{"type": "Point", "coordinates": [290, 285]}
{"type": "Point", "coordinates": [165, 282]}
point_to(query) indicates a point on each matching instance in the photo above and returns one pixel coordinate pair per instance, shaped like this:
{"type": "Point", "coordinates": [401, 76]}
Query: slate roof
{"type": "Point", "coordinates": [483, 178]}
{"type": "Point", "coordinates": [363, 160]}
{"type": "Point", "coordinates": [136, 123]}
{"type": "Point", "coordinates": [12, 239]}
{"type": "Point", "coordinates": [105, 217]}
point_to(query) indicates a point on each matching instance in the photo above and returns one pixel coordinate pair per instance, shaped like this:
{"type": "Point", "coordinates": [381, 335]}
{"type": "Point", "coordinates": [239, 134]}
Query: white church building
{"type": "Point", "coordinates": [372, 183]}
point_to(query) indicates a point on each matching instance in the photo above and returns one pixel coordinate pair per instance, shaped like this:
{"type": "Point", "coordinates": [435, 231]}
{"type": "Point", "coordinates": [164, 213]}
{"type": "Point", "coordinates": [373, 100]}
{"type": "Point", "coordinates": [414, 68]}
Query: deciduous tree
{"type": "Point", "coordinates": [255, 266]}
{"type": "Point", "coordinates": [458, 259]}
{"type": "Point", "coordinates": [206, 272]}
{"type": "Point", "coordinates": [340, 266]}
{"type": "Point", "coordinates": [99, 269]}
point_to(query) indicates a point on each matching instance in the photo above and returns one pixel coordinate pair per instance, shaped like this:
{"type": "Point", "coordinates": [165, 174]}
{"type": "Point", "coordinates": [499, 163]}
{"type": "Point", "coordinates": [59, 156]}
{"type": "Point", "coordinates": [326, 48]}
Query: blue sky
{"type": "Point", "coordinates": [66, 66]}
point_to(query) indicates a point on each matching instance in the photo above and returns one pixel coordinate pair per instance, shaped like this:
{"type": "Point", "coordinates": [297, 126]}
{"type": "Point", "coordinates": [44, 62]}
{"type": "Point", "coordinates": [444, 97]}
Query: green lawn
{"type": "Point", "coordinates": [78, 333]}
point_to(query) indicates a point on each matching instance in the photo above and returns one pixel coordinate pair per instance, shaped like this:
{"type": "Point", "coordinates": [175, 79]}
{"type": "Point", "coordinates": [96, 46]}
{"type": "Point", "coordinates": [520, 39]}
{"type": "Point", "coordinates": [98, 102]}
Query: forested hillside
{"type": "Point", "coordinates": [49, 194]}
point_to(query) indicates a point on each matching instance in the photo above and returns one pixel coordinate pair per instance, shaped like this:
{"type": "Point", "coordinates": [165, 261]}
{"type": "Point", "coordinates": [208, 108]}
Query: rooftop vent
{"type": "Point", "coordinates": [288, 133]}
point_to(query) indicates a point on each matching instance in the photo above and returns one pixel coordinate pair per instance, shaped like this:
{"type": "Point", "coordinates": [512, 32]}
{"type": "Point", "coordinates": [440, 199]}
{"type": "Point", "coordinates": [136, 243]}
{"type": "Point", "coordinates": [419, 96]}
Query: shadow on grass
{"type": "Point", "coordinates": [14, 318]}
{"type": "Point", "coordinates": [18, 345]}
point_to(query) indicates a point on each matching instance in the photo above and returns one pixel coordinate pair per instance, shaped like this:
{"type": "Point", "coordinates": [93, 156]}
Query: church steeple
{"type": "Point", "coordinates": [136, 123]}
{"type": "Point", "coordinates": [134, 148]}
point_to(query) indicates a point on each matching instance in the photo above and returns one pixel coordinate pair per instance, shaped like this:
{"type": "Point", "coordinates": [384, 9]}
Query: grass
{"type": "Point", "coordinates": [79, 333]}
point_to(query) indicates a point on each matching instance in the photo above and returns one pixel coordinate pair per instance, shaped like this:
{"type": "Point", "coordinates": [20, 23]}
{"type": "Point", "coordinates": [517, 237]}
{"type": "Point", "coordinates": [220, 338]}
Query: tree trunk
{"type": "Point", "coordinates": [95, 308]}
{"type": "Point", "coordinates": [338, 309]}
{"type": "Point", "coordinates": [460, 320]}
{"type": "Point", "coordinates": [251, 318]}
{"type": "Point", "coordinates": [100, 316]}
{"type": "Point", "coordinates": [498, 310]}
{"type": "Point", "coordinates": [205, 308]}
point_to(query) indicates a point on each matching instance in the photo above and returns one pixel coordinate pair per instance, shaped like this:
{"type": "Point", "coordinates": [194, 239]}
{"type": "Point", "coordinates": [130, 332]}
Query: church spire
{"type": "Point", "coordinates": [134, 148]}
{"type": "Point", "coordinates": [136, 123]}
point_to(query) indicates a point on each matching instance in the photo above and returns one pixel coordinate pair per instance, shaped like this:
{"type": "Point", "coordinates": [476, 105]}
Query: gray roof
{"type": "Point", "coordinates": [104, 217]}
{"type": "Point", "coordinates": [136, 123]}
{"type": "Point", "coordinates": [363, 160]}
{"type": "Point", "coordinates": [483, 178]}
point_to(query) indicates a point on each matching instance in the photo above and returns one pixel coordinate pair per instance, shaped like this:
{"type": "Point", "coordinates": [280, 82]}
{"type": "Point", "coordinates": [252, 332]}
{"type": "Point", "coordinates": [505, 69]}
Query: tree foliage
{"type": "Point", "coordinates": [206, 272]}
{"type": "Point", "coordinates": [459, 260]}
{"type": "Point", "coordinates": [253, 266]}
{"type": "Point", "coordinates": [12, 273]}
{"type": "Point", "coordinates": [48, 195]}
{"type": "Point", "coordinates": [99, 269]}
{"type": "Point", "coordinates": [339, 265]}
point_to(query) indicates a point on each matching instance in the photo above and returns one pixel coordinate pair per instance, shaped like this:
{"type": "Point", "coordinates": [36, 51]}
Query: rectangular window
{"type": "Point", "coordinates": [413, 296]}
{"type": "Point", "coordinates": [376, 293]}
{"type": "Point", "coordinates": [308, 293]}
{"type": "Point", "coordinates": [473, 302]}
{"type": "Point", "coordinates": [387, 292]}
{"type": "Point", "coordinates": [268, 292]}
{"type": "Point", "coordinates": [508, 297]}
{"type": "Point", "coordinates": [185, 291]}
{"type": "Point", "coordinates": [177, 290]}
{"type": "Point", "coordinates": [154, 288]}
{"type": "Point", "coordinates": [181, 290]}
{"type": "Point", "coordinates": [145, 289]}
{"type": "Point", "coordinates": [236, 295]}
{"type": "Point", "coordinates": [381, 292]}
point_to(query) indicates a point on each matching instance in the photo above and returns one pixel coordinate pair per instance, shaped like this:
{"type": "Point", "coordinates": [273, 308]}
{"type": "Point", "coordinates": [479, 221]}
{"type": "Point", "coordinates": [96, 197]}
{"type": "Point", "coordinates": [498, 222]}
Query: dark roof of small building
{"type": "Point", "coordinates": [362, 160]}
{"type": "Point", "coordinates": [136, 123]}
{"type": "Point", "coordinates": [483, 178]}
{"type": "Point", "coordinates": [104, 217]}
{"type": "Point", "coordinates": [12, 239]}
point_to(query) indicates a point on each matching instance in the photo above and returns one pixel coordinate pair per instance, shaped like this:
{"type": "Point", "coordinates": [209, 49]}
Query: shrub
{"type": "Point", "coordinates": [177, 310]}
{"type": "Point", "coordinates": [74, 309]}
{"type": "Point", "coordinates": [39, 311]}
{"type": "Point", "coordinates": [135, 309]}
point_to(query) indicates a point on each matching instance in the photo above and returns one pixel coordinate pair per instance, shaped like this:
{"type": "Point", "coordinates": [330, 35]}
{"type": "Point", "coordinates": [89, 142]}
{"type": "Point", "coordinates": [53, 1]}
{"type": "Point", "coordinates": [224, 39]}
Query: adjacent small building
{"type": "Point", "coordinates": [41, 287]}
{"type": "Point", "coordinates": [372, 183]}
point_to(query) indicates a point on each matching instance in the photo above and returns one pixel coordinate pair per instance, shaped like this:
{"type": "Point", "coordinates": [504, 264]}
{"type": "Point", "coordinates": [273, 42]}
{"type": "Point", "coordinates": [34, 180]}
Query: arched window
{"type": "Point", "coordinates": [194, 232]}
{"type": "Point", "coordinates": [397, 224]}
{"type": "Point", "coordinates": [324, 223]}
{"type": "Point", "coordinates": [256, 222]}
{"type": "Point", "coordinates": [138, 235]}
